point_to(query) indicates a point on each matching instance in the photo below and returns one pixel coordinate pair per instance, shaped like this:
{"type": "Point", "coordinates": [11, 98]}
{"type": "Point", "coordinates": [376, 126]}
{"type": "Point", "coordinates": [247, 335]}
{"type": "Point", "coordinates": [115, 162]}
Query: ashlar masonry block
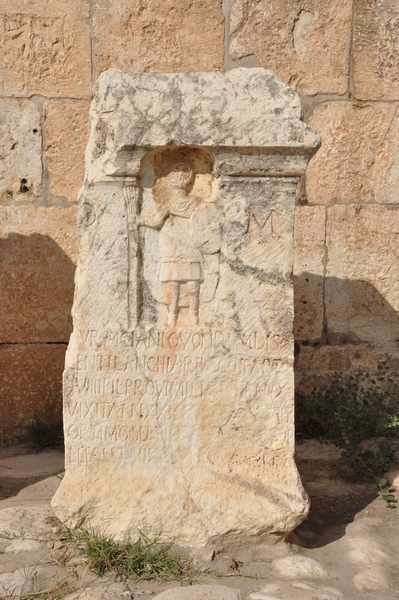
{"type": "Point", "coordinates": [21, 171]}
{"type": "Point", "coordinates": [45, 48]}
{"type": "Point", "coordinates": [361, 302]}
{"type": "Point", "coordinates": [305, 42]}
{"type": "Point", "coordinates": [66, 125]}
{"type": "Point", "coordinates": [375, 49]}
{"type": "Point", "coordinates": [357, 161]}
{"type": "Point", "coordinates": [37, 266]}
{"type": "Point", "coordinates": [158, 35]}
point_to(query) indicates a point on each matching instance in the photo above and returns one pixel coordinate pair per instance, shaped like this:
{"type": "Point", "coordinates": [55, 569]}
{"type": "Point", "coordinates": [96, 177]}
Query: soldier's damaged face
{"type": "Point", "coordinates": [181, 177]}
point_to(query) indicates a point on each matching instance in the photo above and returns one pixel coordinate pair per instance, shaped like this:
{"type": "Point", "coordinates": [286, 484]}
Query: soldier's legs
{"type": "Point", "coordinates": [193, 288]}
{"type": "Point", "coordinates": [172, 294]}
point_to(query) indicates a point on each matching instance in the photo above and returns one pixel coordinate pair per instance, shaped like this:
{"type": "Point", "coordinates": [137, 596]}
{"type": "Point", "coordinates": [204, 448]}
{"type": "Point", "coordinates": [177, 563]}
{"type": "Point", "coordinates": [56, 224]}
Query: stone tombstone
{"type": "Point", "coordinates": [179, 382]}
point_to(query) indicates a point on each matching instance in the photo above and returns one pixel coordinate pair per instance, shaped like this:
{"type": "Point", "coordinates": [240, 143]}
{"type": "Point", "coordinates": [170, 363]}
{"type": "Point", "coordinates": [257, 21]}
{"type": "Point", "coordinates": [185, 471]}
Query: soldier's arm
{"type": "Point", "coordinates": [154, 220]}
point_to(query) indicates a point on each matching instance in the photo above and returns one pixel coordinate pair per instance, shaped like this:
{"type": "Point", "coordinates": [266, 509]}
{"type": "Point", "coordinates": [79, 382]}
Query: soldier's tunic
{"type": "Point", "coordinates": [181, 260]}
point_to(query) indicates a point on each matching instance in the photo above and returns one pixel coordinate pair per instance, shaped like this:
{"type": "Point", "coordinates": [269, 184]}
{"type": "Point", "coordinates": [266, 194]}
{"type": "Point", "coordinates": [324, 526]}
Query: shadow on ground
{"type": "Point", "coordinates": [329, 517]}
{"type": "Point", "coordinates": [20, 468]}
{"type": "Point", "coordinates": [335, 502]}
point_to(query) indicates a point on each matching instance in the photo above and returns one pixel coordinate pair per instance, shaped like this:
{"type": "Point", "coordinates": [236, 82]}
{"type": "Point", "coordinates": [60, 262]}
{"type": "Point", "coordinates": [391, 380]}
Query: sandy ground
{"type": "Point", "coordinates": [347, 548]}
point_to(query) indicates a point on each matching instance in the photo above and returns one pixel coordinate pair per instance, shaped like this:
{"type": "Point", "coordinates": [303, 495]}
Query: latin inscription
{"type": "Point", "coordinates": [110, 433]}
{"type": "Point", "coordinates": [261, 223]}
{"type": "Point", "coordinates": [162, 365]}
{"type": "Point", "coordinates": [86, 454]}
{"type": "Point", "coordinates": [186, 340]}
{"type": "Point", "coordinates": [244, 365]}
{"type": "Point", "coordinates": [109, 386]}
{"type": "Point", "coordinates": [107, 410]}
{"type": "Point", "coordinates": [130, 386]}
{"type": "Point", "coordinates": [168, 365]}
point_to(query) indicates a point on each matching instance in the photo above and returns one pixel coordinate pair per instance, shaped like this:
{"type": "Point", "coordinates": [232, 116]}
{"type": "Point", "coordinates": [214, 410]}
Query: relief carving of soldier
{"type": "Point", "coordinates": [188, 230]}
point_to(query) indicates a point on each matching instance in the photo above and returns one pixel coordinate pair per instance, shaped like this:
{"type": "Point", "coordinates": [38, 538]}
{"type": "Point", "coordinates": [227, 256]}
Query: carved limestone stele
{"type": "Point", "coordinates": [178, 385]}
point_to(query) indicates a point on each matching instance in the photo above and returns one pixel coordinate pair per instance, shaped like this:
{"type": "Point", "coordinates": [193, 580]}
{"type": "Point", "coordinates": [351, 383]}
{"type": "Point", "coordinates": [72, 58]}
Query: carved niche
{"type": "Point", "coordinates": [174, 220]}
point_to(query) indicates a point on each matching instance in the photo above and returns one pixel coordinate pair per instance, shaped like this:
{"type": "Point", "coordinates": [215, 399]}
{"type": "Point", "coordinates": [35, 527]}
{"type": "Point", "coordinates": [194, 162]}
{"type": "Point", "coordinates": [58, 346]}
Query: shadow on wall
{"type": "Point", "coordinates": [36, 290]}
{"type": "Point", "coordinates": [36, 293]}
{"type": "Point", "coordinates": [341, 325]}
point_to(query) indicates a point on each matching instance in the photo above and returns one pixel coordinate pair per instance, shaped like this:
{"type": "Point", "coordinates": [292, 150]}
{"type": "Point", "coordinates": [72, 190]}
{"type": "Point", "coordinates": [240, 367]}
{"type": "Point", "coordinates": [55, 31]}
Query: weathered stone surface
{"type": "Point", "coordinates": [296, 590]}
{"type": "Point", "coordinates": [200, 592]}
{"type": "Point", "coordinates": [361, 303]}
{"type": "Point", "coordinates": [30, 580]}
{"type": "Point", "coordinates": [365, 551]}
{"type": "Point", "coordinates": [179, 379]}
{"type": "Point", "coordinates": [45, 48]}
{"type": "Point", "coordinates": [66, 133]}
{"type": "Point", "coordinates": [300, 566]}
{"type": "Point", "coordinates": [103, 590]}
{"type": "Point", "coordinates": [158, 35]}
{"type": "Point", "coordinates": [37, 250]}
{"type": "Point", "coordinates": [373, 579]}
{"type": "Point", "coordinates": [314, 366]}
{"type": "Point", "coordinates": [305, 42]}
{"type": "Point", "coordinates": [120, 136]}
{"type": "Point", "coordinates": [309, 253]}
{"type": "Point", "coordinates": [20, 150]}
{"type": "Point", "coordinates": [25, 518]}
{"type": "Point", "coordinates": [13, 583]}
{"type": "Point", "coordinates": [375, 50]}
{"type": "Point", "coordinates": [356, 162]}
{"type": "Point", "coordinates": [32, 465]}
{"type": "Point", "coordinates": [30, 381]}
{"type": "Point", "coordinates": [17, 546]}
{"type": "Point", "coordinates": [43, 490]}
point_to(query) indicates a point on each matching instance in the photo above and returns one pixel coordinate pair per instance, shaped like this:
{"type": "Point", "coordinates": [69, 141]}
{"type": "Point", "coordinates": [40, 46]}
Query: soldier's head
{"type": "Point", "coordinates": [181, 176]}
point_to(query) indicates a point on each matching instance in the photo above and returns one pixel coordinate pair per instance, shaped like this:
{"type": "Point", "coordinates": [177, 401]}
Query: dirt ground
{"type": "Point", "coordinates": [347, 548]}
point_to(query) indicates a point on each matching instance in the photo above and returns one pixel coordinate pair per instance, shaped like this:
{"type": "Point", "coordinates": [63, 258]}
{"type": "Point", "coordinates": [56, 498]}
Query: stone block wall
{"type": "Point", "coordinates": [340, 56]}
